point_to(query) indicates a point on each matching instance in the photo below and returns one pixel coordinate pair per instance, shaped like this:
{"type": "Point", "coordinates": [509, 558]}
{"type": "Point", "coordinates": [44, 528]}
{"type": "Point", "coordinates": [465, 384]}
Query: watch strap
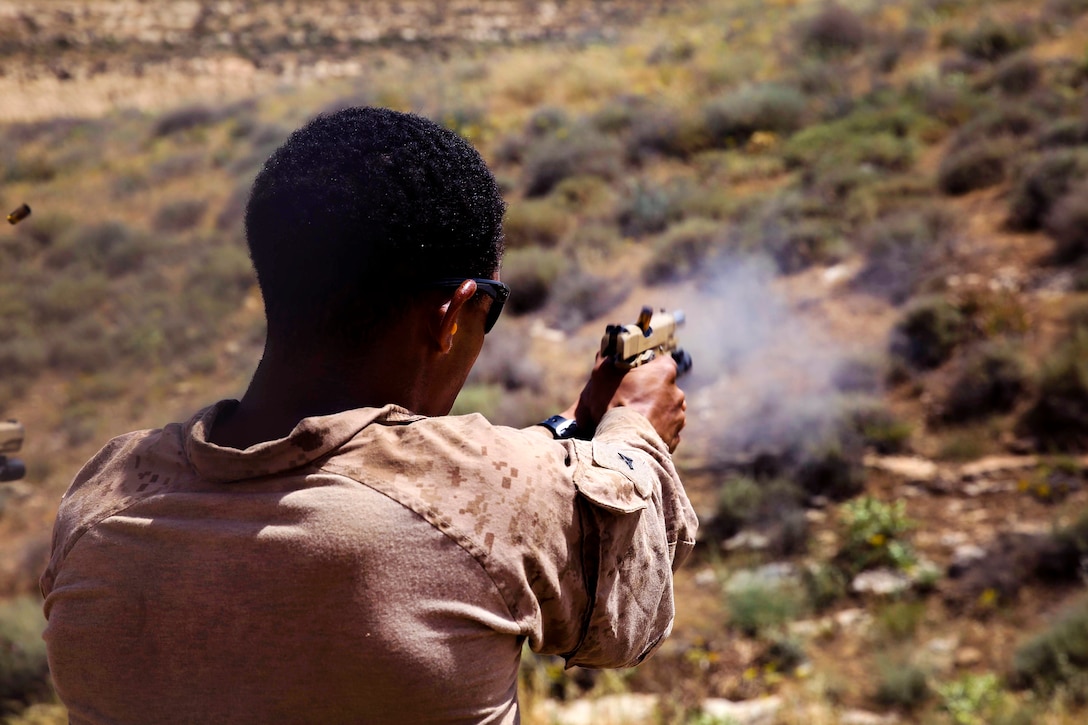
{"type": "Point", "coordinates": [560, 427]}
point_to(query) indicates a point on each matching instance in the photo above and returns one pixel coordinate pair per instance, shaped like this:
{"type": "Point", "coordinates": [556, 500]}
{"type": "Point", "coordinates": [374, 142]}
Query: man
{"type": "Point", "coordinates": [334, 548]}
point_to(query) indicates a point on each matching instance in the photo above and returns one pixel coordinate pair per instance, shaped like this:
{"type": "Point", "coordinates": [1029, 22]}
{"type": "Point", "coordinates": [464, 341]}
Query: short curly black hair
{"type": "Point", "coordinates": [357, 210]}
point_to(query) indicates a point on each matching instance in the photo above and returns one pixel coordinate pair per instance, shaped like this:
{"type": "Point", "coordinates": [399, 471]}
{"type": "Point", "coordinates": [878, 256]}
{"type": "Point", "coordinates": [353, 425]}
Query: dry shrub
{"type": "Point", "coordinates": [621, 112]}
{"type": "Point", "coordinates": [1057, 657]}
{"type": "Point", "coordinates": [1067, 223]}
{"type": "Point", "coordinates": [1042, 183]}
{"type": "Point", "coordinates": [732, 118]}
{"type": "Point", "coordinates": [979, 166]}
{"type": "Point", "coordinates": [681, 251]}
{"type": "Point", "coordinates": [180, 215]}
{"type": "Point", "coordinates": [582, 151]}
{"type": "Point", "coordinates": [929, 331]}
{"type": "Point", "coordinates": [666, 132]}
{"type": "Point", "coordinates": [579, 297]}
{"type": "Point", "coordinates": [903, 250]}
{"type": "Point", "coordinates": [989, 379]}
{"type": "Point", "coordinates": [535, 222]}
{"type": "Point", "coordinates": [1018, 74]}
{"type": "Point", "coordinates": [24, 671]}
{"type": "Point", "coordinates": [1058, 420]}
{"type": "Point", "coordinates": [991, 40]}
{"type": "Point", "coordinates": [834, 30]}
{"type": "Point", "coordinates": [531, 272]}
{"type": "Point", "coordinates": [1063, 133]}
{"type": "Point", "coordinates": [184, 119]}
{"type": "Point", "coordinates": [504, 361]}
{"type": "Point", "coordinates": [1006, 122]}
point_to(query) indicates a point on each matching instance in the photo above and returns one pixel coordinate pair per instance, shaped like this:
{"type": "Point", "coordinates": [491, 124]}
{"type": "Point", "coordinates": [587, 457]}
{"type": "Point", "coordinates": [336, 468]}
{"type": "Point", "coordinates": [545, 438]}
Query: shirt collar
{"type": "Point", "coordinates": [310, 440]}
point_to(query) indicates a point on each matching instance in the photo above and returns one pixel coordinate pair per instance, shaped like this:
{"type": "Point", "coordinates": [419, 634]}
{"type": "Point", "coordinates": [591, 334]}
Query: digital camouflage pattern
{"type": "Point", "coordinates": [374, 565]}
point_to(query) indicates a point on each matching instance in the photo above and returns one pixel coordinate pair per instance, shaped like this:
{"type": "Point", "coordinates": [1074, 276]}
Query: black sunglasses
{"type": "Point", "coordinates": [497, 291]}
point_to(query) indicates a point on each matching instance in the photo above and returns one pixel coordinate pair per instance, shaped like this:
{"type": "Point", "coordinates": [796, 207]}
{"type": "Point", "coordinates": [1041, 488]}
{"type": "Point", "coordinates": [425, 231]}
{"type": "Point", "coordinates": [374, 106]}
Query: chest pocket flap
{"type": "Point", "coordinates": [629, 485]}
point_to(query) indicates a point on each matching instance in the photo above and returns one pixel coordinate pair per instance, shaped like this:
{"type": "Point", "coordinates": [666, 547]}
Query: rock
{"type": "Point", "coordinates": [864, 717]}
{"type": "Point", "coordinates": [767, 575]}
{"type": "Point", "coordinates": [747, 541]}
{"type": "Point", "coordinates": [881, 582]}
{"type": "Point", "coordinates": [993, 465]}
{"type": "Point", "coordinates": [912, 468]}
{"type": "Point", "coordinates": [706, 578]}
{"type": "Point", "coordinates": [963, 556]}
{"type": "Point", "coordinates": [968, 657]}
{"type": "Point", "coordinates": [763, 711]}
{"type": "Point", "coordinates": [853, 618]}
{"type": "Point", "coordinates": [617, 709]}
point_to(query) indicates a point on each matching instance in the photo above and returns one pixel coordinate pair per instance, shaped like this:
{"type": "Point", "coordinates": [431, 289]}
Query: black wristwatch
{"type": "Point", "coordinates": [561, 427]}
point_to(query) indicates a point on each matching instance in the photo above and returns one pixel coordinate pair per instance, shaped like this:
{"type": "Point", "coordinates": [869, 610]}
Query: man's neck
{"type": "Point", "coordinates": [283, 392]}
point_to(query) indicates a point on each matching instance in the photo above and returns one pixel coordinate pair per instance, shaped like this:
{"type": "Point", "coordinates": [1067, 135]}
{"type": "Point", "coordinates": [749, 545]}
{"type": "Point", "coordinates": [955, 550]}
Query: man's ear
{"type": "Point", "coordinates": [450, 312]}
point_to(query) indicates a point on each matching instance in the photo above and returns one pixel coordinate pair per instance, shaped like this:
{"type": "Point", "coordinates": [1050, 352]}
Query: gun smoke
{"type": "Point", "coordinates": [768, 375]}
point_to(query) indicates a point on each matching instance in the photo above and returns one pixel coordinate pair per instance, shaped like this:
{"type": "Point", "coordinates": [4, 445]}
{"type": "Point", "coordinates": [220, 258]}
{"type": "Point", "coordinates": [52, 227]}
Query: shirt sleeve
{"type": "Point", "coordinates": [637, 527]}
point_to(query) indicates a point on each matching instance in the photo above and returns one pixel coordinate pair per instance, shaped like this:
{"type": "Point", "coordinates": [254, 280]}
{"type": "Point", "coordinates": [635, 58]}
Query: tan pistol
{"type": "Point", "coordinates": [653, 334]}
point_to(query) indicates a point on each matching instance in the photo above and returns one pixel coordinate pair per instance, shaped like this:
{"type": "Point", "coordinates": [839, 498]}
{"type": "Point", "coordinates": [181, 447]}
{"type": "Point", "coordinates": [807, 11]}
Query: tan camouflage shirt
{"type": "Point", "coordinates": [373, 566]}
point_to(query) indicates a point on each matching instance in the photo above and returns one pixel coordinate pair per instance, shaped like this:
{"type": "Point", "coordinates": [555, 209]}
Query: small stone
{"type": "Point", "coordinates": [912, 468]}
{"type": "Point", "coordinates": [881, 582]}
{"type": "Point", "coordinates": [706, 578]}
{"type": "Point", "coordinates": [864, 717]}
{"type": "Point", "coordinates": [963, 556]}
{"type": "Point", "coordinates": [968, 657]}
{"type": "Point", "coordinates": [629, 707]}
{"type": "Point", "coordinates": [747, 541]}
{"type": "Point", "coordinates": [763, 711]}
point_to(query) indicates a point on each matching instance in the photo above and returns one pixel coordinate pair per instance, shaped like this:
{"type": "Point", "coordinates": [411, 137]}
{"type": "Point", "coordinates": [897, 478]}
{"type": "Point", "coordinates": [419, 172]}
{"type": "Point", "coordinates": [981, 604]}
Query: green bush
{"type": "Point", "coordinates": [579, 151]}
{"type": "Point", "coordinates": [974, 167]}
{"type": "Point", "coordinates": [833, 30]}
{"type": "Point", "coordinates": [879, 428]}
{"type": "Point", "coordinates": [531, 272]}
{"type": "Point", "coordinates": [1056, 658]}
{"type": "Point", "coordinates": [1042, 183]}
{"type": "Point", "coordinates": [739, 501]}
{"type": "Point", "coordinates": [1067, 223]}
{"type": "Point", "coordinates": [929, 331]}
{"type": "Point", "coordinates": [832, 469]}
{"type": "Point", "coordinates": [875, 535]}
{"type": "Point", "coordinates": [645, 209]}
{"type": "Point", "coordinates": [681, 251]}
{"type": "Point", "coordinates": [24, 672]}
{"type": "Point", "coordinates": [731, 119]}
{"type": "Point", "coordinates": [828, 147]}
{"type": "Point", "coordinates": [902, 685]}
{"type": "Point", "coordinates": [989, 379]}
{"type": "Point", "coordinates": [758, 604]}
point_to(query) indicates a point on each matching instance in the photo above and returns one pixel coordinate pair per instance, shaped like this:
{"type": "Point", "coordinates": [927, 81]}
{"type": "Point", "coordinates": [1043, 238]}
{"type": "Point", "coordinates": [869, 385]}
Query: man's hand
{"type": "Point", "coordinates": [649, 389]}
